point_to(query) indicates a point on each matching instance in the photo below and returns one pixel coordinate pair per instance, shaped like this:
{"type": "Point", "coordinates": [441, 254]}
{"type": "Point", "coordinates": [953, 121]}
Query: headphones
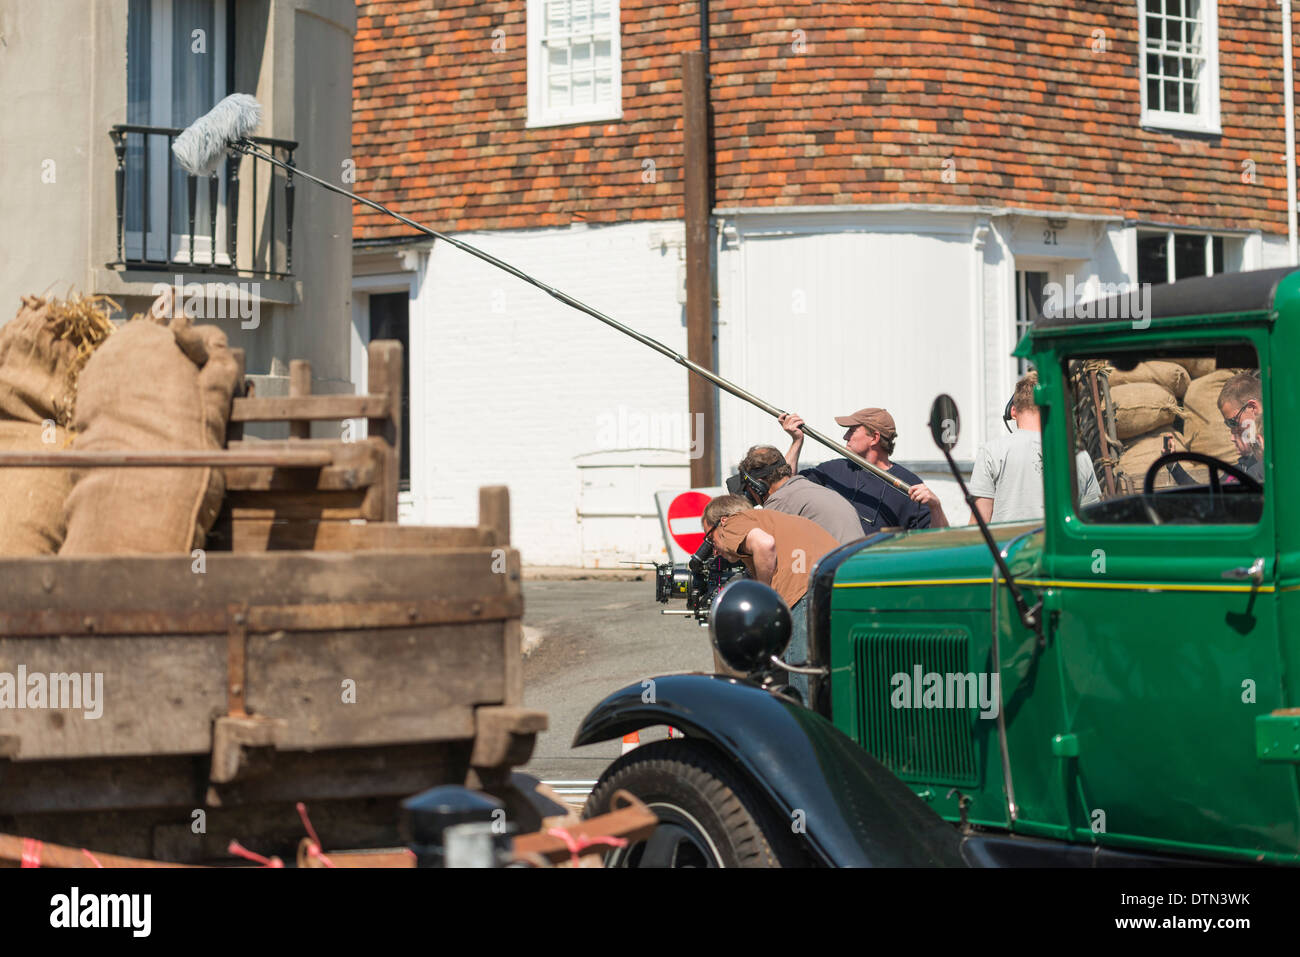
{"type": "Point", "coordinates": [752, 483]}
{"type": "Point", "coordinates": [1006, 413]}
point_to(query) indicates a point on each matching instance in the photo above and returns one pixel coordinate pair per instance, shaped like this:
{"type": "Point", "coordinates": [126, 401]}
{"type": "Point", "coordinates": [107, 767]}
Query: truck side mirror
{"type": "Point", "coordinates": [749, 623]}
{"type": "Point", "coordinates": [945, 423]}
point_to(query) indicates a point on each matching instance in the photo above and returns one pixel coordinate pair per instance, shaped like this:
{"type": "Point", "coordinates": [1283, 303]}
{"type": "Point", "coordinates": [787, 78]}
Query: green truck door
{"type": "Point", "coordinates": [1168, 654]}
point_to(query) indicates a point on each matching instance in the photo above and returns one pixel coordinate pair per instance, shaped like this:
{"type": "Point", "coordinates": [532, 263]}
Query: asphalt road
{"type": "Point", "coordinates": [597, 637]}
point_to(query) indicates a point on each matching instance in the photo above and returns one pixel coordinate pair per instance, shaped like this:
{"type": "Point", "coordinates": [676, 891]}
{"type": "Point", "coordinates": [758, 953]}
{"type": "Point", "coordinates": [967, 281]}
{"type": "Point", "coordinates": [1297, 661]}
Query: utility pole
{"type": "Point", "coordinates": [699, 267]}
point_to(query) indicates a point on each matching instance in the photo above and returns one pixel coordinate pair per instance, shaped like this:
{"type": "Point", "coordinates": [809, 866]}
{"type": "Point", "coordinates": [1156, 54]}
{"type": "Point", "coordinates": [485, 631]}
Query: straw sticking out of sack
{"type": "Point", "coordinates": [82, 321]}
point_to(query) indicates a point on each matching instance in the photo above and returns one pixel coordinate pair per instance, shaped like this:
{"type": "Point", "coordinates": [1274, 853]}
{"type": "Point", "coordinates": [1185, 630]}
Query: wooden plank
{"type": "Point", "coordinates": [155, 695]}
{"type": "Point", "coordinates": [634, 823]}
{"type": "Point", "coordinates": [333, 478]}
{"type": "Point", "coordinates": [299, 385]}
{"type": "Point", "coordinates": [513, 636]}
{"type": "Point", "coordinates": [14, 848]}
{"type": "Point", "coordinates": [283, 534]}
{"type": "Point", "coordinates": [40, 790]}
{"type": "Point", "coordinates": [494, 511]}
{"type": "Point", "coordinates": [345, 536]}
{"type": "Point", "coordinates": [317, 505]}
{"type": "Point", "coordinates": [504, 736]}
{"type": "Point", "coordinates": [353, 465]}
{"type": "Point", "coordinates": [401, 858]}
{"type": "Point", "coordinates": [235, 430]}
{"type": "Point", "coordinates": [304, 459]}
{"type": "Point", "coordinates": [167, 585]}
{"type": "Point", "coordinates": [314, 408]}
{"type": "Point", "coordinates": [322, 615]}
{"type": "Point", "coordinates": [367, 687]}
{"type": "Point", "coordinates": [385, 378]}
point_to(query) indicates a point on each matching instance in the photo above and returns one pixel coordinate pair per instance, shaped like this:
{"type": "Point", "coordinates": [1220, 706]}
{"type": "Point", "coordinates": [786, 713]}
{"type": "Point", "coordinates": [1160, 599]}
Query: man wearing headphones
{"type": "Point", "coordinates": [778, 550]}
{"type": "Point", "coordinates": [766, 479]}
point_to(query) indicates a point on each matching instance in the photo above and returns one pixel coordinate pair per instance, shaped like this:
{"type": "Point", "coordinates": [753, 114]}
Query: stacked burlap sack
{"type": "Point", "coordinates": [157, 384]}
{"type": "Point", "coordinates": [42, 351]}
{"type": "Point", "coordinates": [1180, 396]}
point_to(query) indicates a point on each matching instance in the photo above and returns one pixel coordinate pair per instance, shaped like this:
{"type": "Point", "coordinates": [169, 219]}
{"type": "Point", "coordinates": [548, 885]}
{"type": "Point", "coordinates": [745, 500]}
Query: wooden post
{"type": "Point", "coordinates": [235, 430]}
{"type": "Point", "coordinates": [385, 378]}
{"type": "Point", "coordinates": [494, 519]}
{"type": "Point", "coordinates": [494, 512]}
{"type": "Point", "coordinates": [699, 278]}
{"type": "Point", "coordinates": [299, 384]}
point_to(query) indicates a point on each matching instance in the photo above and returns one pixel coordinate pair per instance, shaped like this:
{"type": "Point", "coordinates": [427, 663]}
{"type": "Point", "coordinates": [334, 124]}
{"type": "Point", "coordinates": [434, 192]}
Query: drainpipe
{"type": "Point", "coordinates": [1288, 83]}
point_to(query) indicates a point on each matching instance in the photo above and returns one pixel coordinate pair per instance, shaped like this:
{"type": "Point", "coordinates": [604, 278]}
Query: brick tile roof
{"type": "Point", "coordinates": [1013, 94]}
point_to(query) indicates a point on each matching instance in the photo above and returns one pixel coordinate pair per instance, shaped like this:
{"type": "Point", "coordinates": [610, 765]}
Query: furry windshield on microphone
{"type": "Point", "coordinates": [203, 144]}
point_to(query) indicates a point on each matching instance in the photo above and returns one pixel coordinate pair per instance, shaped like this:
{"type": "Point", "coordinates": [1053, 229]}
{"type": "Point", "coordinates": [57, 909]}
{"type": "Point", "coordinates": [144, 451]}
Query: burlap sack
{"type": "Point", "coordinates": [144, 390]}
{"type": "Point", "coordinates": [1138, 455]}
{"type": "Point", "coordinates": [1142, 407]}
{"type": "Point", "coordinates": [1168, 375]}
{"type": "Point", "coordinates": [1206, 432]}
{"type": "Point", "coordinates": [34, 366]}
{"type": "Point", "coordinates": [31, 499]}
{"type": "Point", "coordinates": [1196, 367]}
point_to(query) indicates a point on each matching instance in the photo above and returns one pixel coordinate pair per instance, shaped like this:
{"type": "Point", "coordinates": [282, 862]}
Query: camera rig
{"type": "Point", "coordinates": [698, 581]}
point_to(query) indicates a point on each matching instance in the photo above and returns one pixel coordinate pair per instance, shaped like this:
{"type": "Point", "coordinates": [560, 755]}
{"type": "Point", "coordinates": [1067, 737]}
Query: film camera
{"type": "Point", "coordinates": [698, 581]}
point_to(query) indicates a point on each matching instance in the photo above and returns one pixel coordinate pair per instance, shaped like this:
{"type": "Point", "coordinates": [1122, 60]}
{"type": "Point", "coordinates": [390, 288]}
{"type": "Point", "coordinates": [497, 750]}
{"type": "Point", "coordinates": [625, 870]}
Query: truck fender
{"type": "Point", "coordinates": [855, 812]}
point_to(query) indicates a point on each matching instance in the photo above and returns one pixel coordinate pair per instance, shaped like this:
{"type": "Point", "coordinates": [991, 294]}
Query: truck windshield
{"type": "Point", "coordinates": [1205, 406]}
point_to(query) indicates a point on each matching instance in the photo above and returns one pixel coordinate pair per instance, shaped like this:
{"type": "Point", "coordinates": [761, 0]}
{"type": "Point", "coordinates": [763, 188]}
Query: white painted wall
{"type": "Point", "coordinates": [509, 386]}
{"type": "Point", "coordinates": [821, 312]}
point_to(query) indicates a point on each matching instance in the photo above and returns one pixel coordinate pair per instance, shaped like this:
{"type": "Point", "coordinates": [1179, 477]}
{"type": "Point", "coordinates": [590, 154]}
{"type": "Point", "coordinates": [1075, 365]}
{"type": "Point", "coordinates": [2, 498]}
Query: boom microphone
{"type": "Point", "coordinates": [227, 126]}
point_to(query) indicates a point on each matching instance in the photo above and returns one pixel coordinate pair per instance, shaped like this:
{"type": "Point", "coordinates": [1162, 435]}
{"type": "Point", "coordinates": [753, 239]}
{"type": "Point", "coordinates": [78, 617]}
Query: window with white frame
{"type": "Point", "coordinates": [179, 63]}
{"type": "Point", "coordinates": [574, 69]}
{"type": "Point", "coordinates": [1180, 64]}
{"type": "Point", "coordinates": [1167, 256]}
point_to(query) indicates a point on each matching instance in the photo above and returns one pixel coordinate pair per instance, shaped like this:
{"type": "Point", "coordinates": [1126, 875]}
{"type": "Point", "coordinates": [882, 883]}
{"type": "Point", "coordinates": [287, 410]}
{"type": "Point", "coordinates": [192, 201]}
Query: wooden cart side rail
{"type": "Point", "coordinates": [212, 620]}
{"type": "Point", "coordinates": [281, 458]}
{"type": "Point", "coordinates": [309, 408]}
{"type": "Point", "coordinates": [31, 853]}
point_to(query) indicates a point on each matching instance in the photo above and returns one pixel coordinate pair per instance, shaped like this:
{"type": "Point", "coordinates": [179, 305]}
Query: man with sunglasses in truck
{"type": "Point", "coordinates": [1241, 402]}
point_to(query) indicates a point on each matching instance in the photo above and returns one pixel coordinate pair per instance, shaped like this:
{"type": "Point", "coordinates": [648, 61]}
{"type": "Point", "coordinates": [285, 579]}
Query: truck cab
{"type": "Point", "coordinates": [1120, 687]}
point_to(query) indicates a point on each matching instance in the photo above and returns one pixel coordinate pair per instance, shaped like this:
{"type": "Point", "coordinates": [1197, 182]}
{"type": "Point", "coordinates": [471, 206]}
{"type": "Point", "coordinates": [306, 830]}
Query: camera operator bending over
{"type": "Point", "coordinates": [766, 479]}
{"type": "Point", "coordinates": [1007, 481]}
{"type": "Point", "coordinates": [1241, 402]}
{"type": "Point", "coordinates": [871, 434]}
{"type": "Point", "coordinates": [778, 549]}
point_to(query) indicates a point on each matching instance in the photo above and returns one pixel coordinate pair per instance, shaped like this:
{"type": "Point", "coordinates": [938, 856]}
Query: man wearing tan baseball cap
{"type": "Point", "coordinates": [871, 433]}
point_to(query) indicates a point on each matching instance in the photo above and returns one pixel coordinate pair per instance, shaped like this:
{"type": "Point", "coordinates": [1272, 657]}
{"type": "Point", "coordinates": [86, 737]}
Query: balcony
{"type": "Point", "coordinates": [170, 220]}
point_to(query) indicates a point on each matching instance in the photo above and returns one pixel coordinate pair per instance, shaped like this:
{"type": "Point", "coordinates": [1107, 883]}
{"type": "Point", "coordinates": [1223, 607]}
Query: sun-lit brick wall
{"type": "Point", "coordinates": [1022, 103]}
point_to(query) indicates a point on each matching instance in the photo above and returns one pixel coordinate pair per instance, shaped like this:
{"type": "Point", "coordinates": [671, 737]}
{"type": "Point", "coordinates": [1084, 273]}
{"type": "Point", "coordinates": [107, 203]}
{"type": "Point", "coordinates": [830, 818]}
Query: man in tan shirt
{"type": "Point", "coordinates": [778, 550]}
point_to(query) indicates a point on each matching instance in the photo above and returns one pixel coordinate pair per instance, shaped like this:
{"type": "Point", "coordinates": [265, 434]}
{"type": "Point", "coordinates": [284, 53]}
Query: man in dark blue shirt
{"type": "Point", "coordinates": [871, 434]}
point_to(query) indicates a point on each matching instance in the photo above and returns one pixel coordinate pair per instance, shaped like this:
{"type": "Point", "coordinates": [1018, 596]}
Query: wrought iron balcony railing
{"type": "Point", "coordinates": [168, 219]}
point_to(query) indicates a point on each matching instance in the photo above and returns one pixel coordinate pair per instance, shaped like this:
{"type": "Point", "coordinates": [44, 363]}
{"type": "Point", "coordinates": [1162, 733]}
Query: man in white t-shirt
{"type": "Point", "coordinates": [1007, 481]}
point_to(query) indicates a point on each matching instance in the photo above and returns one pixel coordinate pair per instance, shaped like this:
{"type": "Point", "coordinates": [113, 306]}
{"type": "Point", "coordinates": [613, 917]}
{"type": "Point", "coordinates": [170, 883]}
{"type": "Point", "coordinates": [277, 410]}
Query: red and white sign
{"type": "Point", "coordinates": [684, 524]}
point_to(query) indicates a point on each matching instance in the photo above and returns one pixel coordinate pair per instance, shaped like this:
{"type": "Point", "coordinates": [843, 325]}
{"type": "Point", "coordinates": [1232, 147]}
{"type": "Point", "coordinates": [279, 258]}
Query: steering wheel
{"type": "Point", "coordinates": [1215, 466]}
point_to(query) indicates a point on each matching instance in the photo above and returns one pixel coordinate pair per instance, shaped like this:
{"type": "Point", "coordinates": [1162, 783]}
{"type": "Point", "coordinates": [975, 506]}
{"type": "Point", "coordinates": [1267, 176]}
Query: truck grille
{"type": "Point", "coordinates": [921, 744]}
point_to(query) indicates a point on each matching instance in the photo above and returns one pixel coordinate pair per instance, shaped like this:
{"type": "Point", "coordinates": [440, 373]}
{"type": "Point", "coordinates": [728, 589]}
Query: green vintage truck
{"type": "Point", "coordinates": [1114, 684]}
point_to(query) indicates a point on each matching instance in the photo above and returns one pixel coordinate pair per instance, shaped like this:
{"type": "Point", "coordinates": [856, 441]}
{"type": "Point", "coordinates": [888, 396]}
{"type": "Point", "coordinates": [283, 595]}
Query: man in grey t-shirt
{"type": "Point", "coordinates": [764, 465]}
{"type": "Point", "coordinates": [1007, 481]}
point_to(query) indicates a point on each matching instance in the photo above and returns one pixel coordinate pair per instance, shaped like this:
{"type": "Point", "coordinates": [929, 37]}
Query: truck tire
{"type": "Point", "coordinates": [709, 815]}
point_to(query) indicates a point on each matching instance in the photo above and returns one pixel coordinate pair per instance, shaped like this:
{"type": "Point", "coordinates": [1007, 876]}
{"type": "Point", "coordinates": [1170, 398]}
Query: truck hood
{"type": "Point", "coordinates": [957, 554]}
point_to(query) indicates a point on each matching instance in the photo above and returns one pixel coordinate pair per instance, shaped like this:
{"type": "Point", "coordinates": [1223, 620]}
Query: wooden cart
{"type": "Point", "coordinates": [316, 651]}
